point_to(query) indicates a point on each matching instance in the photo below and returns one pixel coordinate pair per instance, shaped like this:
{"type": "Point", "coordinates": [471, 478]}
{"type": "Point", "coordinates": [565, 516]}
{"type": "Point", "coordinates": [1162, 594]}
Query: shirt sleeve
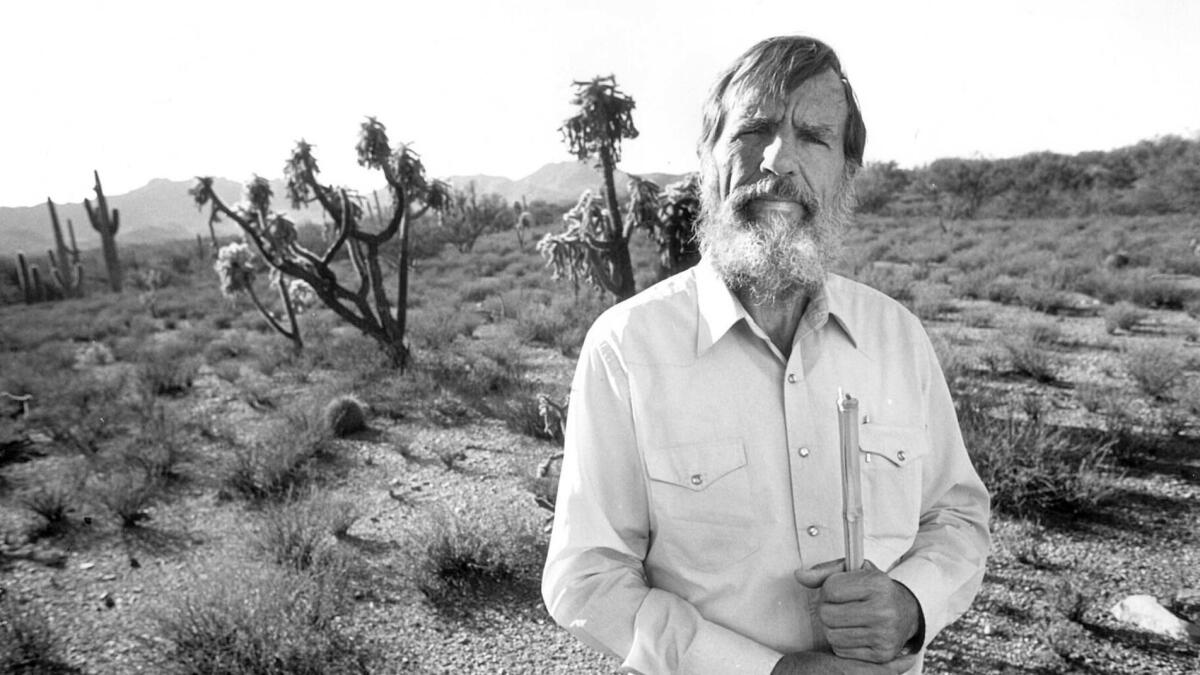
{"type": "Point", "coordinates": [944, 568]}
{"type": "Point", "coordinates": [594, 583]}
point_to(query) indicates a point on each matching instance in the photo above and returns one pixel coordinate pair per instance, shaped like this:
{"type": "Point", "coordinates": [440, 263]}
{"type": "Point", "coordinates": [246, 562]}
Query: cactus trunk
{"type": "Point", "coordinates": [106, 223]}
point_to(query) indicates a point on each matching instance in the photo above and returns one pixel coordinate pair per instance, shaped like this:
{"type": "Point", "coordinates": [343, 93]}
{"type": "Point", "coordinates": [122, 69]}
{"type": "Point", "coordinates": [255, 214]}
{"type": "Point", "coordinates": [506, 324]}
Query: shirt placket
{"type": "Point", "coordinates": [814, 461]}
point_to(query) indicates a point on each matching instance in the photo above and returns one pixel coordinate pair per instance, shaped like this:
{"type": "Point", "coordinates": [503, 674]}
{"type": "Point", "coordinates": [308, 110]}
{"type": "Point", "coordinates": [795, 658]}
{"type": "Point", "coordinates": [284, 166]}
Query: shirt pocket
{"type": "Point", "coordinates": [892, 462]}
{"type": "Point", "coordinates": [703, 503]}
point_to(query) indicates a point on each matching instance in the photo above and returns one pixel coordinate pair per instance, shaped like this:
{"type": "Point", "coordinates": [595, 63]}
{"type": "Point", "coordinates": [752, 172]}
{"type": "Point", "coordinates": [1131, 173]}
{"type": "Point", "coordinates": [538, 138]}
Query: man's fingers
{"type": "Point", "coordinates": [902, 664]}
{"type": "Point", "coordinates": [814, 577]}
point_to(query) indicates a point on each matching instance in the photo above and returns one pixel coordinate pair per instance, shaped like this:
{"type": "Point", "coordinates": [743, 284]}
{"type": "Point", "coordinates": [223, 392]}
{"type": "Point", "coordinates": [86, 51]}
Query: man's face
{"type": "Point", "coordinates": [776, 188]}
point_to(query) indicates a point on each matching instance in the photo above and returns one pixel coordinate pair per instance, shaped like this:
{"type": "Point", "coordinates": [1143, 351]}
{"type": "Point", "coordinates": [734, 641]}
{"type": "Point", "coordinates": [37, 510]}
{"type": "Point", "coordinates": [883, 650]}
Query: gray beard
{"type": "Point", "coordinates": [772, 257]}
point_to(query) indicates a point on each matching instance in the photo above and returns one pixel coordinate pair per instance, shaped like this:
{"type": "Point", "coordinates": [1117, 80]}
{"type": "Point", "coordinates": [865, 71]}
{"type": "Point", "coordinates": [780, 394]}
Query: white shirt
{"type": "Point", "coordinates": [702, 468]}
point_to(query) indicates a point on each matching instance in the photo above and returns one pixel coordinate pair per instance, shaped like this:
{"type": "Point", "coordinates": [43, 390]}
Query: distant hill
{"type": "Point", "coordinates": [558, 182]}
{"type": "Point", "coordinates": [162, 210]}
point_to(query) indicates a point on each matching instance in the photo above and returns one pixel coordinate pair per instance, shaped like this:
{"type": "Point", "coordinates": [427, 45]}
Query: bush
{"type": "Point", "coordinates": [1030, 359]}
{"type": "Point", "coordinates": [930, 301]}
{"type": "Point", "coordinates": [1122, 315]}
{"type": "Point", "coordinates": [168, 372]}
{"type": "Point", "coordinates": [268, 622]}
{"type": "Point", "coordinates": [51, 500]}
{"type": "Point", "coordinates": [128, 494]}
{"type": "Point", "coordinates": [1030, 467]}
{"type": "Point", "coordinates": [345, 415]}
{"type": "Point", "coordinates": [28, 643]}
{"type": "Point", "coordinates": [1156, 368]}
{"type": "Point", "coordinates": [267, 470]}
{"type": "Point", "coordinates": [452, 554]}
{"type": "Point", "coordinates": [296, 533]}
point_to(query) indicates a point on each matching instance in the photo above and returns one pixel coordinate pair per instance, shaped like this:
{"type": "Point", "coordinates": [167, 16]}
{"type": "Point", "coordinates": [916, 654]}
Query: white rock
{"type": "Point", "coordinates": [1144, 612]}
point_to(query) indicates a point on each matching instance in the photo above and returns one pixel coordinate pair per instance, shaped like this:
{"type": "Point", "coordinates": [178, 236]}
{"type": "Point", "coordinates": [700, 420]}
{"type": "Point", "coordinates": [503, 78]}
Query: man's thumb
{"type": "Point", "coordinates": [814, 577]}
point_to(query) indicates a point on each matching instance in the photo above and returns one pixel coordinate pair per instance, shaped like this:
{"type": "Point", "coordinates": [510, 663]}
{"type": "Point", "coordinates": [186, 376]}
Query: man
{"type": "Point", "coordinates": [699, 514]}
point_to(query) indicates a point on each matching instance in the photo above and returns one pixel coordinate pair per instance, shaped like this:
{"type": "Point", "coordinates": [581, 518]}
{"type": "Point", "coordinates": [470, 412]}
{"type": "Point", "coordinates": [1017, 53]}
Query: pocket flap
{"type": "Point", "coordinates": [898, 444]}
{"type": "Point", "coordinates": [695, 466]}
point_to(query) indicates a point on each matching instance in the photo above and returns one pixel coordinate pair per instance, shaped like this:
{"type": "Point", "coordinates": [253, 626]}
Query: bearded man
{"type": "Point", "coordinates": [699, 514]}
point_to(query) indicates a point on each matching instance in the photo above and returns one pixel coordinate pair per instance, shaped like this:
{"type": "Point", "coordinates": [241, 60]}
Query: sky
{"type": "Point", "coordinates": [167, 89]}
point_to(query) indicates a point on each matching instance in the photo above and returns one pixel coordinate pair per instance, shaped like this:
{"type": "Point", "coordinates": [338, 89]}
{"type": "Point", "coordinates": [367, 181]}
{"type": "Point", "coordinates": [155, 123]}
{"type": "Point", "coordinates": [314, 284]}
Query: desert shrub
{"type": "Point", "coordinates": [128, 494]}
{"type": "Point", "coordinates": [482, 289]}
{"type": "Point", "coordinates": [953, 362]}
{"type": "Point", "coordinates": [894, 282]}
{"type": "Point", "coordinates": [1156, 368]}
{"type": "Point", "coordinates": [169, 369]}
{"type": "Point", "coordinates": [978, 318]}
{"type": "Point", "coordinates": [1148, 291]}
{"type": "Point", "coordinates": [263, 621]}
{"type": "Point", "coordinates": [28, 642]}
{"type": "Point", "coordinates": [52, 499]}
{"type": "Point", "coordinates": [1043, 333]}
{"type": "Point", "coordinates": [438, 326]}
{"type": "Point", "coordinates": [264, 470]}
{"type": "Point", "coordinates": [929, 301]}
{"type": "Point", "coordinates": [80, 412]}
{"type": "Point", "coordinates": [1004, 289]}
{"type": "Point", "coordinates": [1098, 398]}
{"type": "Point", "coordinates": [1031, 359]}
{"type": "Point", "coordinates": [452, 554]}
{"type": "Point", "coordinates": [522, 415]}
{"type": "Point", "coordinates": [344, 415]}
{"type": "Point", "coordinates": [1030, 467]}
{"type": "Point", "coordinates": [296, 533]}
{"type": "Point", "coordinates": [230, 346]}
{"type": "Point", "coordinates": [1123, 316]}
{"type": "Point", "coordinates": [972, 283]}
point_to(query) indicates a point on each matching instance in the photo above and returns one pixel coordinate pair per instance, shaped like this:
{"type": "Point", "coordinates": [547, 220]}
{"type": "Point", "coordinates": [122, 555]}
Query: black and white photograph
{"type": "Point", "coordinates": [600, 336]}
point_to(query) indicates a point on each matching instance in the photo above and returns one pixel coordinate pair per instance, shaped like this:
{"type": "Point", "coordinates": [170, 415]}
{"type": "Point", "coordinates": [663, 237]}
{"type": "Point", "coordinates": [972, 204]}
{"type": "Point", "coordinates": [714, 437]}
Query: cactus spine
{"type": "Point", "coordinates": [106, 224]}
{"type": "Point", "coordinates": [67, 271]}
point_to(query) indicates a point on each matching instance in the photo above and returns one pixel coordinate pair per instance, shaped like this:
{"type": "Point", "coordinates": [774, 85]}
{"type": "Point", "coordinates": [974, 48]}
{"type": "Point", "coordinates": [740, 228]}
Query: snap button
{"type": "Point", "coordinates": [803, 452]}
{"type": "Point", "coordinates": [697, 479]}
{"type": "Point", "coordinates": [791, 378]}
{"type": "Point", "coordinates": [867, 459]}
{"type": "Point", "coordinates": [813, 531]}
{"type": "Point", "coordinates": [900, 455]}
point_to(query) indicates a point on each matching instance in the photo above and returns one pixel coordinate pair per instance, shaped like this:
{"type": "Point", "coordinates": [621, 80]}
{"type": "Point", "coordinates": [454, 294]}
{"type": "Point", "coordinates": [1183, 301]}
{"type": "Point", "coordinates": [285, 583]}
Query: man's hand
{"type": "Point", "coordinates": [821, 663]}
{"type": "Point", "coordinates": [866, 615]}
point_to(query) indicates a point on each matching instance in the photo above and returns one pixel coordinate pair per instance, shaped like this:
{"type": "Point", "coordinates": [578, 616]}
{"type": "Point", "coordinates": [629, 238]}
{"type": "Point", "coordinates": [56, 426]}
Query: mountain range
{"type": "Point", "coordinates": [162, 210]}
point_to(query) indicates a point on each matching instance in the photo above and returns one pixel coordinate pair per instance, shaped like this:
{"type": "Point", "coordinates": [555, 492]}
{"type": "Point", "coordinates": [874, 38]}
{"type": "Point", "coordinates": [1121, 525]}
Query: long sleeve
{"type": "Point", "coordinates": [945, 565]}
{"type": "Point", "coordinates": [595, 583]}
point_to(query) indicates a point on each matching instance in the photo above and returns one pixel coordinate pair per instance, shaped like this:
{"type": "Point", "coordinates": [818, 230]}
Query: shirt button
{"type": "Point", "coordinates": [803, 452]}
{"type": "Point", "coordinates": [900, 455]}
{"type": "Point", "coordinates": [697, 479]}
{"type": "Point", "coordinates": [813, 531]}
{"type": "Point", "coordinates": [791, 378]}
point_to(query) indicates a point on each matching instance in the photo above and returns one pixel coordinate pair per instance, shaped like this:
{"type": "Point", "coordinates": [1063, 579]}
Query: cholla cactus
{"type": "Point", "coordinates": [603, 119]}
{"type": "Point", "coordinates": [235, 267]}
{"type": "Point", "coordinates": [363, 301]}
{"type": "Point", "coordinates": [302, 295]}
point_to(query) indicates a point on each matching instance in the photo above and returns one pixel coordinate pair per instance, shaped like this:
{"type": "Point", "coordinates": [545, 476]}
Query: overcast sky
{"type": "Point", "coordinates": [143, 90]}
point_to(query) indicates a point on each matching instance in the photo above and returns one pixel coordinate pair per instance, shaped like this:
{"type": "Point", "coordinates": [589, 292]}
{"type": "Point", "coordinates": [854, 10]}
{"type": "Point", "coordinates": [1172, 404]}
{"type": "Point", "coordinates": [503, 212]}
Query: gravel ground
{"type": "Point", "coordinates": [1044, 607]}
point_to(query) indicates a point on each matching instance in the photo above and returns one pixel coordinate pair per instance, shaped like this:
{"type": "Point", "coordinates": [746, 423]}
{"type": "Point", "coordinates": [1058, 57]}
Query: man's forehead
{"type": "Point", "coordinates": [822, 95]}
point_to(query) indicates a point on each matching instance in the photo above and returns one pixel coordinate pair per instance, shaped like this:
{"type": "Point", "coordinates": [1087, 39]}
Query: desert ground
{"type": "Point", "coordinates": [182, 491]}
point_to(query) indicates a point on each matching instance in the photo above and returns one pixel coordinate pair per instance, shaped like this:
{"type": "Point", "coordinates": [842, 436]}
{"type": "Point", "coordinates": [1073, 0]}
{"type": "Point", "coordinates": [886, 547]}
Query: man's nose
{"type": "Point", "coordinates": [780, 158]}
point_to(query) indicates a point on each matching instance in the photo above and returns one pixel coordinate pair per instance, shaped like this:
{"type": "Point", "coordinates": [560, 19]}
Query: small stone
{"type": "Point", "coordinates": [87, 565]}
{"type": "Point", "coordinates": [108, 577]}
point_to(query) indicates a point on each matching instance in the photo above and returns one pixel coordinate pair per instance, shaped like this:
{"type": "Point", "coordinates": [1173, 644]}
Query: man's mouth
{"type": "Point", "coordinates": [763, 207]}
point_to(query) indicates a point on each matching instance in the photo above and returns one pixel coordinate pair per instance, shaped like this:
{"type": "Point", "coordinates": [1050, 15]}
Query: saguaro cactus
{"type": "Point", "coordinates": [365, 305]}
{"type": "Point", "coordinates": [30, 281]}
{"type": "Point", "coordinates": [65, 267]}
{"type": "Point", "coordinates": [106, 224]}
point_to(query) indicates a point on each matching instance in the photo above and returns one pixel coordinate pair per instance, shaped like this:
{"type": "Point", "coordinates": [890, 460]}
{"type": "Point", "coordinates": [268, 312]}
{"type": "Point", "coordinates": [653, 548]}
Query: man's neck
{"type": "Point", "coordinates": [779, 317]}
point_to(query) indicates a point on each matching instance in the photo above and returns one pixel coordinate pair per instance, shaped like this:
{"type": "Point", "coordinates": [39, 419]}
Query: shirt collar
{"type": "Point", "coordinates": [719, 309]}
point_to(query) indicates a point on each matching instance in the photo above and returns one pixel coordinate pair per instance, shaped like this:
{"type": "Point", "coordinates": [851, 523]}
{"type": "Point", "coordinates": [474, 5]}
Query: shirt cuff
{"type": "Point", "coordinates": [716, 649]}
{"type": "Point", "coordinates": [921, 578]}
